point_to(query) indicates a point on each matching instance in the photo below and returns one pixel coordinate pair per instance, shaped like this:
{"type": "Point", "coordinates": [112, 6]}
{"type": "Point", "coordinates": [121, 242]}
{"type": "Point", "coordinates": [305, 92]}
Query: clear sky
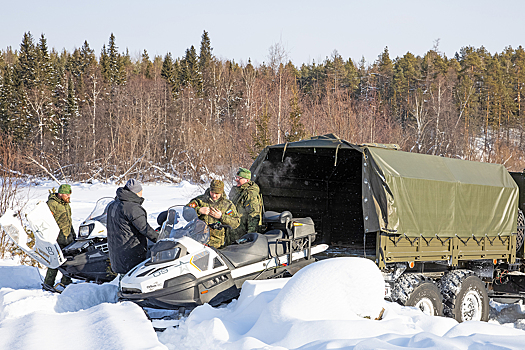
{"type": "Point", "coordinates": [308, 30]}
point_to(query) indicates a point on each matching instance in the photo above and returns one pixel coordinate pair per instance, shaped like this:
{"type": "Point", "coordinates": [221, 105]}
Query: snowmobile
{"type": "Point", "coordinates": [87, 258]}
{"type": "Point", "coordinates": [183, 272]}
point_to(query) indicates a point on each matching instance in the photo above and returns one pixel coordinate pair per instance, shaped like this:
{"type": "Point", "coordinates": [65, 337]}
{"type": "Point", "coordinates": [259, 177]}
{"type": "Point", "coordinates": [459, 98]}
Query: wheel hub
{"type": "Point", "coordinates": [471, 307]}
{"type": "Point", "coordinates": [426, 306]}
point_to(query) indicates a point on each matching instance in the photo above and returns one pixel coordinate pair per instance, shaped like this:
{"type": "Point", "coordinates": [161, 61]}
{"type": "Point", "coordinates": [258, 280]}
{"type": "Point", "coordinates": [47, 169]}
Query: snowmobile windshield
{"type": "Point", "coordinates": [184, 222]}
{"type": "Point", "coordinates": [101, 209]}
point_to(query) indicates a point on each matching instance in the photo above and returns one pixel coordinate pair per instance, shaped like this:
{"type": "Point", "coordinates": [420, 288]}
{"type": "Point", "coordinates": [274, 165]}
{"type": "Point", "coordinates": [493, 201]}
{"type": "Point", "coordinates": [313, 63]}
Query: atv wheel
{"type": "Point", "coordinates": [419, 291]}
{"type": "Point", "coordinates": [465, 297]}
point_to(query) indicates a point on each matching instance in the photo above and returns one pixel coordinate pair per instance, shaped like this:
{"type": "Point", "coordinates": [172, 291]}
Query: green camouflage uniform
{"type": "Point", "coordinates": [62, 214]}
{"type": "Point", "coordinates": [229, 217]}
{"type": "Point", "coordinates": [248, 203]}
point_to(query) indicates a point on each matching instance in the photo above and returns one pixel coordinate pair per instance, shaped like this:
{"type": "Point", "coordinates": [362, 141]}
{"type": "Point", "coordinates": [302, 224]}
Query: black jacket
{"type": "Point", "coordinates": [127, 231]}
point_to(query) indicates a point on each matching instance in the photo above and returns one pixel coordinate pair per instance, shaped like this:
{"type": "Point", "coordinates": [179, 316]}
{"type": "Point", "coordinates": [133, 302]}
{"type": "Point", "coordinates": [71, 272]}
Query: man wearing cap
{"type": "Point", "coordinates": [58, 203]}
{"type": "Point", "coordinates": [248, 202]}
{"type": "Point", "coordinates": [212, 207]}
{"type": "Point", "coordinates": [128, 228]}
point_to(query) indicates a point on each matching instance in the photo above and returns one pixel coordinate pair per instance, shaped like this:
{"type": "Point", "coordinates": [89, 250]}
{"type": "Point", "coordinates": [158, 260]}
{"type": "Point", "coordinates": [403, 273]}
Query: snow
{"type": "Point", "coordinates": [331, 304]}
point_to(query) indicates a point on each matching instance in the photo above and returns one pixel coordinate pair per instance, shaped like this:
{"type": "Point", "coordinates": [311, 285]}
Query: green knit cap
{"type": "Point", "coordinates": [64, 189]}
{"type": "Point", "coordinates": [217, 186]}
{"type": "Point", "coordinates": [247, 174]}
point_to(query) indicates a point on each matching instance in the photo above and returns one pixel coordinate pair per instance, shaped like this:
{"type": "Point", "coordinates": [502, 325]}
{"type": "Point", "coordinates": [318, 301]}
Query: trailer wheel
{"type": "Point", "coordinates": [465, 297]}
{"type": "Point", "coordinates": [419, 291]}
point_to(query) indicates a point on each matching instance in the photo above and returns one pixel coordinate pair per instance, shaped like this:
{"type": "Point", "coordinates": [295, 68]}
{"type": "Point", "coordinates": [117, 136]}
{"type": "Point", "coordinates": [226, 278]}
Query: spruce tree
{"type": "Point", "coordinates": [44, 71]}
{"type": "Point", "coordinates": [261, 135]}
{"type": "Point", "coordinates": [169, 73]}
{"type": "Point", "coordinates": [70, 114]}
{"type": "Point", "coordinates": [87, 58]}
{"type": "Point", "coordinates": [297, 131]}
{"type": "Point", "coordinates": [7, 101]}
{"type": "Point", "coordinates": [385, 76]}
{"type": "Point", "coordinates": [190, 70]}
{"type": "Point", "coordinates": [205, 55]}
{"type": "Point", "coordinates": [27, 62]}
{"type": "Point", "coordinates": [112, 64]}
{"type": "Point", "coordinates": [146, 66]}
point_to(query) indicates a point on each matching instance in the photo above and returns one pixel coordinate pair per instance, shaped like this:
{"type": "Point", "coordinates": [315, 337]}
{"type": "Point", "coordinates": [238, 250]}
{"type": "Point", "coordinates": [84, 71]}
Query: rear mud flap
{"type": "Point", "coordinates": [46, 249]}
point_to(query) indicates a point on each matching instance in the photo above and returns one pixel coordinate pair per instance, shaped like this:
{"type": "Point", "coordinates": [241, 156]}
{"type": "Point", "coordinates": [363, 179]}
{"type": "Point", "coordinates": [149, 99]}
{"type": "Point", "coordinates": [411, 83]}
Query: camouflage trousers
{"type": "Point", "coordinates": [51, 274]}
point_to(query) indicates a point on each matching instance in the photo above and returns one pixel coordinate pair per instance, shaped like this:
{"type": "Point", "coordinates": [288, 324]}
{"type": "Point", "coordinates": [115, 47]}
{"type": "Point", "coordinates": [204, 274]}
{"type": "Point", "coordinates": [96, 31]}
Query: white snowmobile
{"type": "Point", "coordinates": [86, 258]}
{"type": "Point", "coordinates": [184, 272]}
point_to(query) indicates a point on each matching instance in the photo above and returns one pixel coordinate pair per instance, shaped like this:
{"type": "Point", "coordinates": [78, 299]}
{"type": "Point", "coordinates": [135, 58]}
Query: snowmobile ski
{"type": "Point", "coordinates": [45, 229]}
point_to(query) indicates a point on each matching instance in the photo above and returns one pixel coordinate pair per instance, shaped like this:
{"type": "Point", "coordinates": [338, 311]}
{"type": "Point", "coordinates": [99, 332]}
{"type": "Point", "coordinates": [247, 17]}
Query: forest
{"type": "Point", "coordinates": [83, 116]}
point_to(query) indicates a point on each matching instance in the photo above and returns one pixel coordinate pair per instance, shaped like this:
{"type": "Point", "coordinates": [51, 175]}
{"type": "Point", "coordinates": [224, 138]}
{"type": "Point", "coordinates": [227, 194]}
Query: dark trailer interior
{"type": "Point", "coordinates": [321, 180]}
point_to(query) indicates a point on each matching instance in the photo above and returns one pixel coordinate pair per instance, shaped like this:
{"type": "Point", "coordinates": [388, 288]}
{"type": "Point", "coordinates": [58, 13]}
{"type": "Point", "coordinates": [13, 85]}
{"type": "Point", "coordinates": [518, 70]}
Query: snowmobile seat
{"type": "Point", "coordinates": [273, 216]}
{"type": "Point", "coordinates": [276, 248]}
{"type": "Point", "coordinates": [277, 221]}
{"type": "Point", "coordinates": [250, 248]}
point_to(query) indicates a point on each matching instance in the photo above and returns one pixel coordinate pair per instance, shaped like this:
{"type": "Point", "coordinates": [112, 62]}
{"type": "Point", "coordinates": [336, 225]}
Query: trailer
{"type": "Point", "coordinates": [446, 233]}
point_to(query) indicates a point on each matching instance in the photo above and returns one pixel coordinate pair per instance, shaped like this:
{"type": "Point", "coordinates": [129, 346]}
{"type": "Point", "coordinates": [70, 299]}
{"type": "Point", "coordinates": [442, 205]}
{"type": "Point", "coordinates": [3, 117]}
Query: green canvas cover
{"type": "Point", "coordinates": [416, 194]}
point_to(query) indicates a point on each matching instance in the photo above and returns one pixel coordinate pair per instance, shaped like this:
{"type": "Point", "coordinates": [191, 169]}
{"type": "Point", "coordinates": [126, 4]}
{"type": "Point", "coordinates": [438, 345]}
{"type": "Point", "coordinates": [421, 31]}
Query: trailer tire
{"type": "Point", "coordinates": [465, 297]}
{"type": "Point", "coordinates": [419, 291]}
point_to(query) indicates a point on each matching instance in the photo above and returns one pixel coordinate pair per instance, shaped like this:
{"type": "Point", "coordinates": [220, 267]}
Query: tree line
{"type": "Point", "coordinates": [79, 116]}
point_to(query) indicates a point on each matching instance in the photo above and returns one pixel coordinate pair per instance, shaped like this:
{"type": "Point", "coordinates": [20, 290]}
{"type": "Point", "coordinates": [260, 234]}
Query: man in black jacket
{"type": "Point", "coordinates": [128, 228]}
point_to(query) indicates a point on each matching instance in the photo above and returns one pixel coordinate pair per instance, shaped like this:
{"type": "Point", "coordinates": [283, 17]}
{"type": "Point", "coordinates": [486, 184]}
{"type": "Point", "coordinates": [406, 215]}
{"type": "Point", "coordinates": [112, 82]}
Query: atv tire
{"type": "Point", "coordinates": [419, 291]}
{"type": "Point", "coordinates": [465, 297]}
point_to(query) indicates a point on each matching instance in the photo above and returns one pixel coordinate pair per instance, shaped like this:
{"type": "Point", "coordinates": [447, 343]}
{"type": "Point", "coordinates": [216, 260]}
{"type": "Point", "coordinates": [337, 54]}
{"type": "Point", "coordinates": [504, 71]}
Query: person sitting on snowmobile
{"type": "Point", "coordinates": [128, 228]}
{"type": "Point", "coordinates": [248, 202]}
{"type": "Point", "coordinates": [212, 207]}
{"type": "Point", "coordinates": [58, 203]}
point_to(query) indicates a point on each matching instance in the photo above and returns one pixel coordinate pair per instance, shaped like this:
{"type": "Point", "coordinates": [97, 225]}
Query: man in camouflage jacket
{"type": "Point", "coordinates": [248, 202]}
{"type": "Point", "coordinates": [213, 206]}
{"type": "Point", "coordinates": [58, 203]}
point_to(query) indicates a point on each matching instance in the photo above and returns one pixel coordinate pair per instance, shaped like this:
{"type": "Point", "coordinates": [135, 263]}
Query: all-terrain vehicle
{"type": "Point", "coordinates": [446, 233]}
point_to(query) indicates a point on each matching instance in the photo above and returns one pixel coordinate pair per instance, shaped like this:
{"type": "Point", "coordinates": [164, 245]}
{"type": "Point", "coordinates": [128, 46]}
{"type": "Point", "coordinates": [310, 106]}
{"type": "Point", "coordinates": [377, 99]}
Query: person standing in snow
{"type": "Point", "coordinates": [212, 207]}
{"type": "Point", "coordinates": [248, 202]}
{"type": "Point", "coordinates": [58, 203]}
{"type": "Point", "coordinates": [128, 228]}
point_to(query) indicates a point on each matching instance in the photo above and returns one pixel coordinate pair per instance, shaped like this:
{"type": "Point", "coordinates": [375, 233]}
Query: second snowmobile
{"type": "Point", "coordinates": [184, 272]}
{"type": "Point", "coordinates": [87, 258]}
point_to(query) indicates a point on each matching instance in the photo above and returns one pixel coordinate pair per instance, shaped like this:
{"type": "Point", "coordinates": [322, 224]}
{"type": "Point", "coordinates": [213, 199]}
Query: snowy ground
{"type": "Point", "coordinates": [321, 307]}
